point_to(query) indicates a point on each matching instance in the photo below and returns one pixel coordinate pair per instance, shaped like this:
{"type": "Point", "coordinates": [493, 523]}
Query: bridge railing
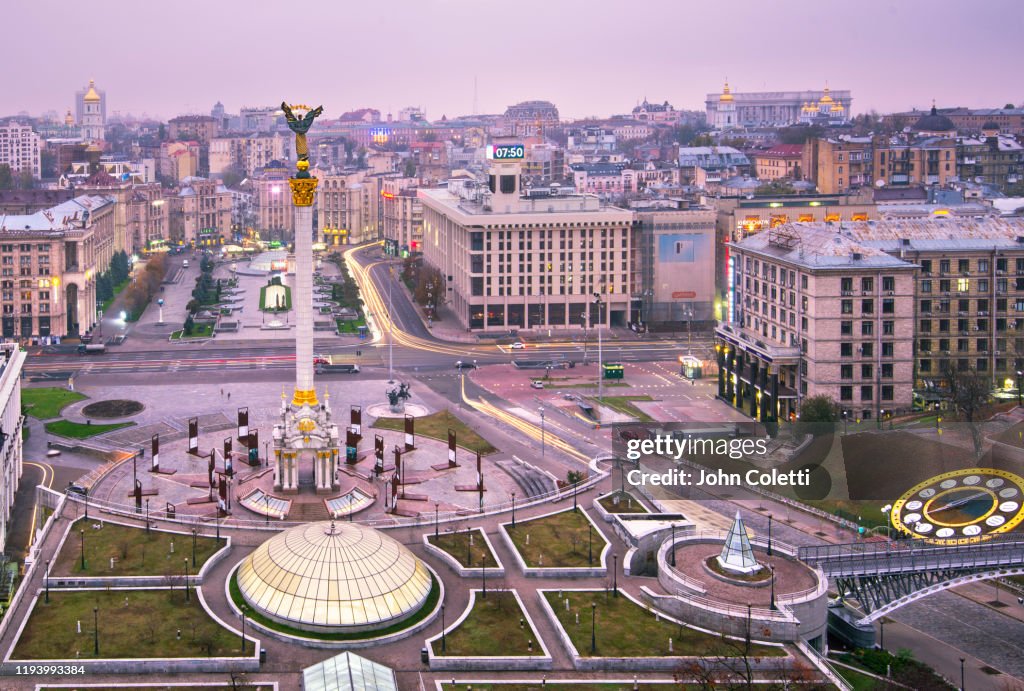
{"type": "Point", "coordinates": [1006, 551]}
{"type": "Point", "coordinates": [817, 553]}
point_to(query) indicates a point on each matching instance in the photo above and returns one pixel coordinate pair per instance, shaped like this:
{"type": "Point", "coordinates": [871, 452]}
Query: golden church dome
{"type": "Point", "coordinates": [91, 96]}
{"type": "Point", "coordinates": [726, 94]}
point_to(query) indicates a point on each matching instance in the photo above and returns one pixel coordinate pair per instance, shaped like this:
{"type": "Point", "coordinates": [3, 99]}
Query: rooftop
{"type": "Point", "coordinates": [69, 215]}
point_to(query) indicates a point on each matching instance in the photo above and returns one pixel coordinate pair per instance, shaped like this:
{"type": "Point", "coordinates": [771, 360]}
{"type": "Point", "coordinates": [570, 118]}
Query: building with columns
{"type": "Point", "coordinates": [533, 259]}
{"type": "Point", "coordinates": [731, 109]}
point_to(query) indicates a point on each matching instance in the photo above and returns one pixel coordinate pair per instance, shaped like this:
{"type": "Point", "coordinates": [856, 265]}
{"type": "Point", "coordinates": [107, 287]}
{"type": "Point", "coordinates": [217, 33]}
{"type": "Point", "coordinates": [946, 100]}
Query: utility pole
{"type": "Point", "coordinates": [600, 350]}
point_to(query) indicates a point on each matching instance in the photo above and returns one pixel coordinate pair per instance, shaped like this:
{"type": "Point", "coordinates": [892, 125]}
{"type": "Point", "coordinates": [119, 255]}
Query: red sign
{"type": "Point", "coordinates": [683, 294]}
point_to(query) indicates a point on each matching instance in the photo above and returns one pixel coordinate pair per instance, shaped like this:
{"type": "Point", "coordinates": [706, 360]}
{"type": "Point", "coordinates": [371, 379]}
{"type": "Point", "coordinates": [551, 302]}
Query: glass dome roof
{"type": "Point", "coordinates": [334, 576]}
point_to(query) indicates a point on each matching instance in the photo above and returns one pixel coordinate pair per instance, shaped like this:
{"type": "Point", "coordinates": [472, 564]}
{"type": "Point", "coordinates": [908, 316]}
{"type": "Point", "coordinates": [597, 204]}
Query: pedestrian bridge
{"type": "Point", "coordinates": [883, 576]}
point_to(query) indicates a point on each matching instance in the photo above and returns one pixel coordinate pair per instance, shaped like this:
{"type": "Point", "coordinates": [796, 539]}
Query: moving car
{"type": "Point", "coordinates": [536, 384]}
{"type": "Point", "coordinates": [518, 345]}
{"type": "Point", "coordinates": [461, 364]}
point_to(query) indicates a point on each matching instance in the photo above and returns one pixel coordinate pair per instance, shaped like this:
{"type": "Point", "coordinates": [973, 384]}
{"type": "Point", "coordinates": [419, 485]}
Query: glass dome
{"type": "Point", "coordinates": [329, 576]}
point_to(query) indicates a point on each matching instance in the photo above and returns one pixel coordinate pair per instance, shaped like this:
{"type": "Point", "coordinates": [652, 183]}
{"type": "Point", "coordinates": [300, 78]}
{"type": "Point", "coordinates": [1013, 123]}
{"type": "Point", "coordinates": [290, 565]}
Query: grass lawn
{"type": "Point", "coordinates": [77, 430]}
{"type": "Point", "coordinates": [624, 405]}
{"type": "Point", "coordinates": [562, 539]}
{"type": "Point", "coordinates": [457, 545]}
{"type": "Point", "coordinates": [350, 326]}
{"type": "Point", "coordinates": [198, 331]}
{"type": "Point", "coordinates": [858, 680]}
{"type": "Point", "coordinates": [428, 606]}
{"type": "Point", "coordinates": [272, 308]}
{"type": "Point", "coordinates": [436, 426]}
{"type": "Point", "coordinates": [146, 627]}
{"type": "Point", "coordinates": [627, 503]}
{"type": "Point", "coordinates": [47, 402]}
{"type": "Point", "coordinates": [491, 630]}
{"type": "Point", "coordinates": [105, 306]}
{"type": "Point", "coordinates": [137, 552]}
{"type": "Point", "coordinates": [625, 629]}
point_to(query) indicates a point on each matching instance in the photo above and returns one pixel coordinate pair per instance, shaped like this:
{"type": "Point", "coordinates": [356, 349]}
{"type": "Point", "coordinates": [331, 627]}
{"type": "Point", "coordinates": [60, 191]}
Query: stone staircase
{"type": "Point", "coordinates": [306, 511]}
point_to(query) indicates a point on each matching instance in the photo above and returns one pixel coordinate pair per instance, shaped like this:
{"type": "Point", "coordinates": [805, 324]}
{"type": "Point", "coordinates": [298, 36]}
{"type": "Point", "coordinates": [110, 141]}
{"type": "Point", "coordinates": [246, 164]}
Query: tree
{"type": "Point", "coordinates": [410, 167]}
{"type": "Point", "coordinates": [969, 394]}
{"type": "Point", "coordinates": [189, 325]}
{"type": "Point", "coordinates": [25, 180]}
{"type": "Point", "coordinates": [6, 177]}
{"type": "Point", "coordinates": [1008, 106]}
{"type": "Point", "coordinates": [799, 134]}
{"type": "Point", "coordinates": [819, 409]}
{"type": "Point", "coordinates": [232, 176]}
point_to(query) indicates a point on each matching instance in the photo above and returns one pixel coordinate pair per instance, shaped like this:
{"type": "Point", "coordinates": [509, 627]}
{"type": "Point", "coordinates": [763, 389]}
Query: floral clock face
{"type": "Point", "coordinates": [962, 506]}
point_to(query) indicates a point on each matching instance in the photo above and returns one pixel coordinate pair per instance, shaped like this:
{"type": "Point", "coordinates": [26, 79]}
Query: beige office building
{"type": "Point", "coordinates": [527, 261]}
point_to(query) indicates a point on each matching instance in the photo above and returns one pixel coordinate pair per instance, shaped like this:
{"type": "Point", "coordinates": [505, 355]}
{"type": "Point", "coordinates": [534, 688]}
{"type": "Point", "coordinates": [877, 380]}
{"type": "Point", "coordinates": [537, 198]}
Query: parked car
{"type": "Point", "coordinates": [518, 345]}
{"type": "Point", "coordinates": [536, 384]}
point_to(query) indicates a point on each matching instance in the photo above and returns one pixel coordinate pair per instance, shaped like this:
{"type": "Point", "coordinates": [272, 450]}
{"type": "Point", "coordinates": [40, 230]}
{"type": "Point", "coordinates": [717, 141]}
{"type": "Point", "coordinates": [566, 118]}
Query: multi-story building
{"type": "Point", "coordinates": [205, 212]}
{"type": "Point", "coordinates": [531, 118]}
{"type": "Point", "coordinates": [272, 203]}
{"type": "Point", "coordinates": [22, 202]}
{"type": "Point", "coordinates": [838, 165]}
{"type": "Point", "coordinates": [48, 265]}
{"type": "Point", "coordinates": [247, 153]}
{"type": "Point", "coordinates": [812, 311]}
{"type": "Point", "coordinates": [605, 180]}
{"type": "Point", "coordinates": [658, 113]}
{"type": "Point", "coordinates": [591, 138]}
{"type": "Point", "coordinates": [200, 128]}
{"type": "Point", "coordinates": [148, 216]}
{"type": "Point", "coordinates": [724, 160]}
{"type": "Point", "coordinates": [12, 359]}
{"type": "Point", "coordinates": [179, 160]}
{"type": "Point", "coordinates": [925, 160]}
{"type": "Point", "coordinates": [969, 120]}
{"type": "Point", "coordinates": [534, 260]}
{"type": "Point", "coordinates": [19, 149]}
{"type": "Point", "coordinates": [730, 109]}
{"type": "Point", "coordinates": [992, 158]}
{"type": "Point", "coordinates": [780, 161]}
{"type": "Point", "coordinates": [91, 107]}
{"type": "Point", "coordinates": [544, 164]}
{"type": "Point", "coordinates": [403, 217]}
{"type": "Point", "coordinates": [674, 267]}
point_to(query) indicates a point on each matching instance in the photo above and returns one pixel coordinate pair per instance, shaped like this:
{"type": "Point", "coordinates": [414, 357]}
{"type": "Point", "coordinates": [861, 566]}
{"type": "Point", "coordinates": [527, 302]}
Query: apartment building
{"type": "Point", "coordinates": [838, 165]}
{"type": "Point", "coordinates": [528, 261]}
{"type": "Point", "coordinates": [403, 217]}
{"type": "Point", "coordinates": [904, 301]}
{"type": "Point", "coordinates": [780, 161]}
{"type": "Point", "coordinates": [992, 158]}
{"type": "Point", "coordinates": [921, 161]}
{"type": "Point", "coordinates": [347, 207]}
{"type": "Point", "coordinates": [204, 212]}
{"type": "Point", "coordinates": [201, 128]}
{"type": "Point", "coordinates": [247, 153]}
{"type": "Point", "coordinates": [811, 311]}
{"type": "Point", "coordinates": [272, 203]}
{"type": "Point", "coordinates": [19, 149]}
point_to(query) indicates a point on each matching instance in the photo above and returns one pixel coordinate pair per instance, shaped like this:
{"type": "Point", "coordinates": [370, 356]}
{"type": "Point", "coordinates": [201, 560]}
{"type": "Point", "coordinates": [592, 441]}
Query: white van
{"type": "Point", "coordinates": [184, 264]}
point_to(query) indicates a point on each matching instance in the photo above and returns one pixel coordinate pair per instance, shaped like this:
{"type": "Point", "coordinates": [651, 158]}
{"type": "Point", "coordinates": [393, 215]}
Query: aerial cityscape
{"type": "Point", "coordinates": [457, 346]}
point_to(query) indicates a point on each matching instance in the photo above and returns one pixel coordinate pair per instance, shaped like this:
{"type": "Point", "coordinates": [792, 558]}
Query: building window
{"type": "Point", "coordinates": [867, 328]}
{"type": "Point", "coordinates": [845, 328]}
{"type": "Point", "coordinates": [866, 371]}
{"type": "Point", "coordinates": [846, 371]}
{"type": "Point", "coordinates": [887, 392]}
{"type": "Point", "coordinates": [845, 393]}
{"type": "Point", "coordinates": [846, 349]}
{"type": "Point", "coordinates": [889, 283]}
{"type": "Point", "coordinates": [867, 393]}
{"type": "Point", "coordinates": [847, 306]}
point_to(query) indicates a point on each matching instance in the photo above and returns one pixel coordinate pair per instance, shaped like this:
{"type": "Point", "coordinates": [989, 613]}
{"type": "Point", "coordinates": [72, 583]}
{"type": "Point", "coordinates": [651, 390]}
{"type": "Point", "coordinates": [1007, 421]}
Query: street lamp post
{"type": "Point", "coordinates": [187, 596]}
{"type": "Point", "coordinates": [543, 441]}
{"type": "Point", "coordinates": [437, 509]}
{"type": "Point", "coordinates": [962, 686]}
{"type": "Point", "coordinates": [1020, 374]}
{"type": "Point", "coordinates": [444, 646]}
{"type": "Point", "coordinates": [266, 509]}
{"type": "Point", "coordinates": [483, 573]}
{"type": "Point", "coordinates": [769, 535]}
{"type": "Point", "coordinates": [772, 606]}
{"type": "Point", "coordinates": [193, 546]}
{"type": "Point", "coordinates": [96, 631]}
{"type": "Point", "coordinates": [243, 631]}
{"type": "Point", "coordinates": [86, 495]}
{"type": "Point", "coordinates": [593, 628]}
{"type": "Point", "coordinates": [615, 575]}
{"type": "Point", "coordinates": [147, 516]}
{"type": "Point", "coordinates": [81, 534]}
{"type": "Point", "coordinates": [391, 329]}
{"type": "Point", "coordinates": [600, 352]}
{"type": "Point", "coordinates": [672, 546]}
{"type": "Point", "coordinates": [513, 509]}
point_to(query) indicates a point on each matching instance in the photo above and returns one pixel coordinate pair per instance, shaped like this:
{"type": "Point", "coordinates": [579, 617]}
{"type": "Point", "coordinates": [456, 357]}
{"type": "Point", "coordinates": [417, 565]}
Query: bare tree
{"type": "Point", "coordinates": [969, 393]}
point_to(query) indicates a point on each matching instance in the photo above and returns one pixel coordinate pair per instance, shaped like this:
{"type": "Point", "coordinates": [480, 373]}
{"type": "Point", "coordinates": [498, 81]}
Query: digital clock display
{"type": "Point", "coordinates": [506, 152]}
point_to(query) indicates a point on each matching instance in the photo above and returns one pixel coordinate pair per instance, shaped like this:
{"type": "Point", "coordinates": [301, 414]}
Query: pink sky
{"type": "Point", "coordinates": [588, 57]}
